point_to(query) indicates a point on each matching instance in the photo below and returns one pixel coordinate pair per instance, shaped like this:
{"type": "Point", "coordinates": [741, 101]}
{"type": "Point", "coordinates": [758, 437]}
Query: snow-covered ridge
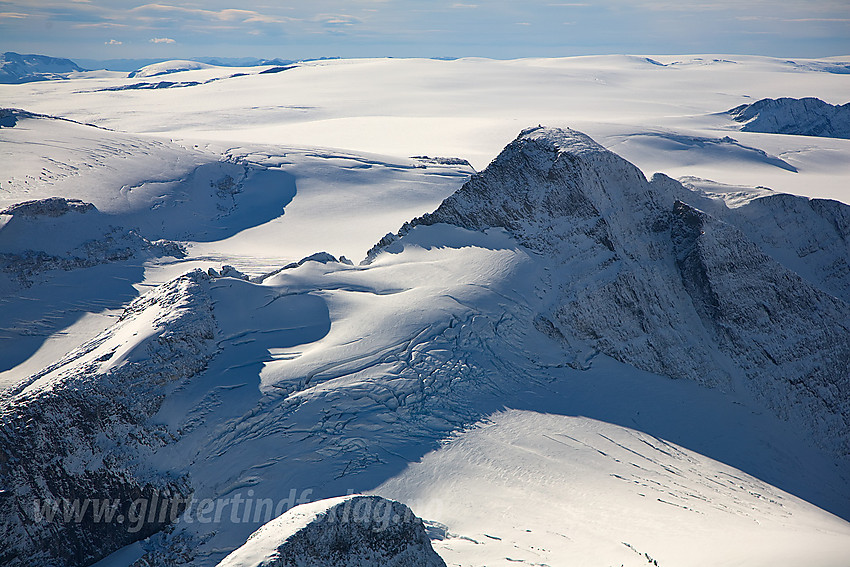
{"type": "Point", "coordinates": [348, 531]}
{"type": "Point", "coordinates": [50, 207]}
{"type": "Point", "coordinates": [16, 68]}
{"type": "Point", "coordinates": [9, 117]}
{"type": "Point", "coordinates": [76, 429]}
{"type": "Point", "coordinates": [802, 117]}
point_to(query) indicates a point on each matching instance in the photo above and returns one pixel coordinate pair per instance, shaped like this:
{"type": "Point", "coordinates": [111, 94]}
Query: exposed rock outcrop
{"type": "Point", "coordinates": [65, 234]}
{"type": "Point", "coordinates": [348, 531]}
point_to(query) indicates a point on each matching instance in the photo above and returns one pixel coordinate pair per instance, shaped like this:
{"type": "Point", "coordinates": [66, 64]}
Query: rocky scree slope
{"type": "Point", "coordinates": [650, 280]}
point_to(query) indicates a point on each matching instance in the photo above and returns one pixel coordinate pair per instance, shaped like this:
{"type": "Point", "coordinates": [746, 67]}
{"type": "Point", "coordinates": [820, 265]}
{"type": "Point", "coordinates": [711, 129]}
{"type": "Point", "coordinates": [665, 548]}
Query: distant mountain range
{"type": "Point", "coordinates": [135, 64]}
{"type": "Point", "coordinates": [796, 116]}
{"type": "Point", "coordinates": [16, 68]}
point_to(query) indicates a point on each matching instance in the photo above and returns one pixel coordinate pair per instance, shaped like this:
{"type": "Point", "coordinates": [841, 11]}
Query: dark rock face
{"type": "Point", "coordinates": [9, 116]}
{"type": "Point", "coordinates": [352, 531]}
{"type": "Point", "coordinates": [782, 331]}
{"type": "Point", "coordinates": [50, 207]}
{"type": "Point", "coordinates": [650, 280]}
{"type": "Point", "coordinates": [78, 438]}
{"type": "Point", "coordinates": [798, 116]}
{"type": "Point", "coordinates": [808, 236]}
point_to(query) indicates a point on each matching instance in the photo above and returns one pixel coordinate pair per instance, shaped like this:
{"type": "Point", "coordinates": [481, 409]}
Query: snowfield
{"type": "Point", "coordinates": [241, 288]}
{"type": "Point", "coordinates": [472, 107]}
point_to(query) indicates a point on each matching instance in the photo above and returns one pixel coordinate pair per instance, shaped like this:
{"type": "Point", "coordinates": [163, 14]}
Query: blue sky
{"type": "Point", "coordinates": [103, 29]}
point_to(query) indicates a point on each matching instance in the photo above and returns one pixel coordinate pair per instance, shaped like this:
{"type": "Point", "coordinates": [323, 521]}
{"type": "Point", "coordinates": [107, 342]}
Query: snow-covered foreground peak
{"type": "Point", "coordinates": [348, 531]}
{"type": "Point", "coordinates": [57, 425]}
{"type": "Point", "coordinates": [543, 176]}
{"type": "Point", "coordinates": [634, 267]}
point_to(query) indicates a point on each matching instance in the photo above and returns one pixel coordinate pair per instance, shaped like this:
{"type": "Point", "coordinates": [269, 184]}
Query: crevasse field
{"type": "Point", "coordinates": [419, 375]}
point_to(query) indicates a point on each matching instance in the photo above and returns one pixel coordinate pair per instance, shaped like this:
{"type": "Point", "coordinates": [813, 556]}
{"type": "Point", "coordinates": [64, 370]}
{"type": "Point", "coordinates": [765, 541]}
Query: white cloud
{"type": "Point", "coordinates": [337, 19]}
{"type": "Point", "coordinates": [225, 15]}
{"type": "Point", "coordinates": [113, 42]}
{"type": "Point", "coordinates": [162, 40]}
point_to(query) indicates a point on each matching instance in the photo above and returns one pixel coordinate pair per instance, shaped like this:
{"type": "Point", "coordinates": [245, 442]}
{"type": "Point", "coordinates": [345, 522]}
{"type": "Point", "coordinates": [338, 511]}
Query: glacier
{"type": "Point", "coordinates": [554, 281]}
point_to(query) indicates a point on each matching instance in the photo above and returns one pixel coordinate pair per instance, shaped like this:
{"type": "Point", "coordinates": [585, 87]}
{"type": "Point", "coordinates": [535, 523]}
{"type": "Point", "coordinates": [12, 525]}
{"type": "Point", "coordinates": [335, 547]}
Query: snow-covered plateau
{"type": "Point", "coordinates": [233, 310]}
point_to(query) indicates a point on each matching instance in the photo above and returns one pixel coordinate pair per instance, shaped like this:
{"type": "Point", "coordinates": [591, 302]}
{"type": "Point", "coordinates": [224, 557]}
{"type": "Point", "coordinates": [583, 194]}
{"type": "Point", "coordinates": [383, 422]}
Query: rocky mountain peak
{"type": "Point", "coordinates": [545, 176]}
{"type": "Point", "coordinates": [656, 276]}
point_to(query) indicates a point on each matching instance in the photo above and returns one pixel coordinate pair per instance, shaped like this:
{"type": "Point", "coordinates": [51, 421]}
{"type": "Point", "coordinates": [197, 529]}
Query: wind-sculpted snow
{"type": "Point", "coordinates": [77, 433]}
{"type": "Point", "coordinates": [803, 117]}
{"type": "Point", "coordinates": [579, 476]}
{"type": "Point", "coordinates": [350, 531]}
